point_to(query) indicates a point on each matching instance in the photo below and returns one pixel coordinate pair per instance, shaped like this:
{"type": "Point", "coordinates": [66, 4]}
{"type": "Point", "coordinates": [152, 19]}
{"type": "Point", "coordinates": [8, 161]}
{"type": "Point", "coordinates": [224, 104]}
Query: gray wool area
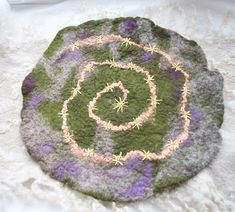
{"type": "Point", "coordinates": [35, 131]}
{"type": "Point", "coordinates": [146, 36]}
{"type": "Point", "coordinates": [205, 136]}
{"type": "Point", "coordinates": [103, 142]}
{"type": "Point", "coordinates": [135, 179]}
{"type": "Point", "coordinates": [179, 46]}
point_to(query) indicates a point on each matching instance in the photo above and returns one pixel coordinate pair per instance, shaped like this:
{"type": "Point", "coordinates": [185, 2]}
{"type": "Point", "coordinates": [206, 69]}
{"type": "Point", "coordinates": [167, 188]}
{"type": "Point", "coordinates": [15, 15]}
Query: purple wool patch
{"type": "Point", "coordinates": [85, 34]}
{"type": "Point", "coordinates": [117, 172]}
{"type": "Point", "coordinates": [35, 100]}
{"type": "Point", "coordinates": [129, 26]}
{"type": "Point", "coordinates": [188, 142]}
{"type": "Point", "coordinates": [69, 55]}
{"type": "Point", "coordinates": [46, 148]}
{"type": "Point", "coordinates": [196, 115]}
{"type": "Point", "coordinates": [177, 93]}
{"type": "Point", "coordinates": [175, 75]}
{"type": "Point", "coordinates": [148, 57]}
{"type": "Point", "coordinates": [133, 163]}
{"type": "Point", "coordinates": [139, 187]}
{"type": "Point", "coordinates": [28, 84]}
{"type": "Point", "coordinates": [127, 167]}
{"type": "Point", "coordinates": [66, 168]}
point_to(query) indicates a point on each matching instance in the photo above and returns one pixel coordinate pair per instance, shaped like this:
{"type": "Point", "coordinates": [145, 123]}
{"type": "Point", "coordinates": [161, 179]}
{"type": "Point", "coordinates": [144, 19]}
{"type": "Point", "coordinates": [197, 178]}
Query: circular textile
{"type": "Point", "coordinates": [121, 109]}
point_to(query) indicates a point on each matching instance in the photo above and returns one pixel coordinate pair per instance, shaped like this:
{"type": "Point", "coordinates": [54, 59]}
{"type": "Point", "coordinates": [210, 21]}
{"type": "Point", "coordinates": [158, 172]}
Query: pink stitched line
{"type": "Point", "coordinates": [167, 149]}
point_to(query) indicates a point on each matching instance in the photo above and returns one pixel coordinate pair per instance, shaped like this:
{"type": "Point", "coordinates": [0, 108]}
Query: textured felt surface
{"type": "Point", "coordinates": [53, 78]}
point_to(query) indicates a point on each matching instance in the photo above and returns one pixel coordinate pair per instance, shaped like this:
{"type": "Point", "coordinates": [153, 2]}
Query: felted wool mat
{"type": "Point", "coordinates": [121, 108]}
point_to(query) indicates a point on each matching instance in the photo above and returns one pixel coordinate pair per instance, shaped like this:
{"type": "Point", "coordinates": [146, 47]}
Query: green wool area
{"type": "Point", "coordinates": [192, 56]}
{"type": "Point", "coordinates": [172, 182]}
{"type": "Point", "coordinates": [99, 195]}
{"type": "Point", "coordinates": [56, 43]}
{"type": "Point", "coordinates": [50, 111]}
{"type": "Point", "coordinates": [43, 81]}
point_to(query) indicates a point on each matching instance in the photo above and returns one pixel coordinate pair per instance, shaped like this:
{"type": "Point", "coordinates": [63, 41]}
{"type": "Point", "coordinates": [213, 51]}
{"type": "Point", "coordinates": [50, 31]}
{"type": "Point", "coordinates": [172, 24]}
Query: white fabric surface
{"type": "Point", "coordinates": [18, 2]}
{"type": "Point", "coordinates": [24, 35]}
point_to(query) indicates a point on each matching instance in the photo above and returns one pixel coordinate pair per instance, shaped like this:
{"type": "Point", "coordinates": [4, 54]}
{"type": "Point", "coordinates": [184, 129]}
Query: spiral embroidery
{"type": "Point", "coordinates": [120, 104]}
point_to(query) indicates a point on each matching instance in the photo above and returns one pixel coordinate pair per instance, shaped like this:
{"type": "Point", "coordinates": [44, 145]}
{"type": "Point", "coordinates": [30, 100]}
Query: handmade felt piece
{"type": "Point", "coordinates": [120, 109]}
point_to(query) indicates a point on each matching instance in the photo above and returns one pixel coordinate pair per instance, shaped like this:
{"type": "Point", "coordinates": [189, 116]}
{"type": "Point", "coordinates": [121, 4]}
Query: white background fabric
{"type": "Point", "coordinates": [25, 32]}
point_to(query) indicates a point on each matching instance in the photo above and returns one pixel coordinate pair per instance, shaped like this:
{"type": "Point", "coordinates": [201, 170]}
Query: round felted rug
{"type": "Point", "coordinates": [121, 109]}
